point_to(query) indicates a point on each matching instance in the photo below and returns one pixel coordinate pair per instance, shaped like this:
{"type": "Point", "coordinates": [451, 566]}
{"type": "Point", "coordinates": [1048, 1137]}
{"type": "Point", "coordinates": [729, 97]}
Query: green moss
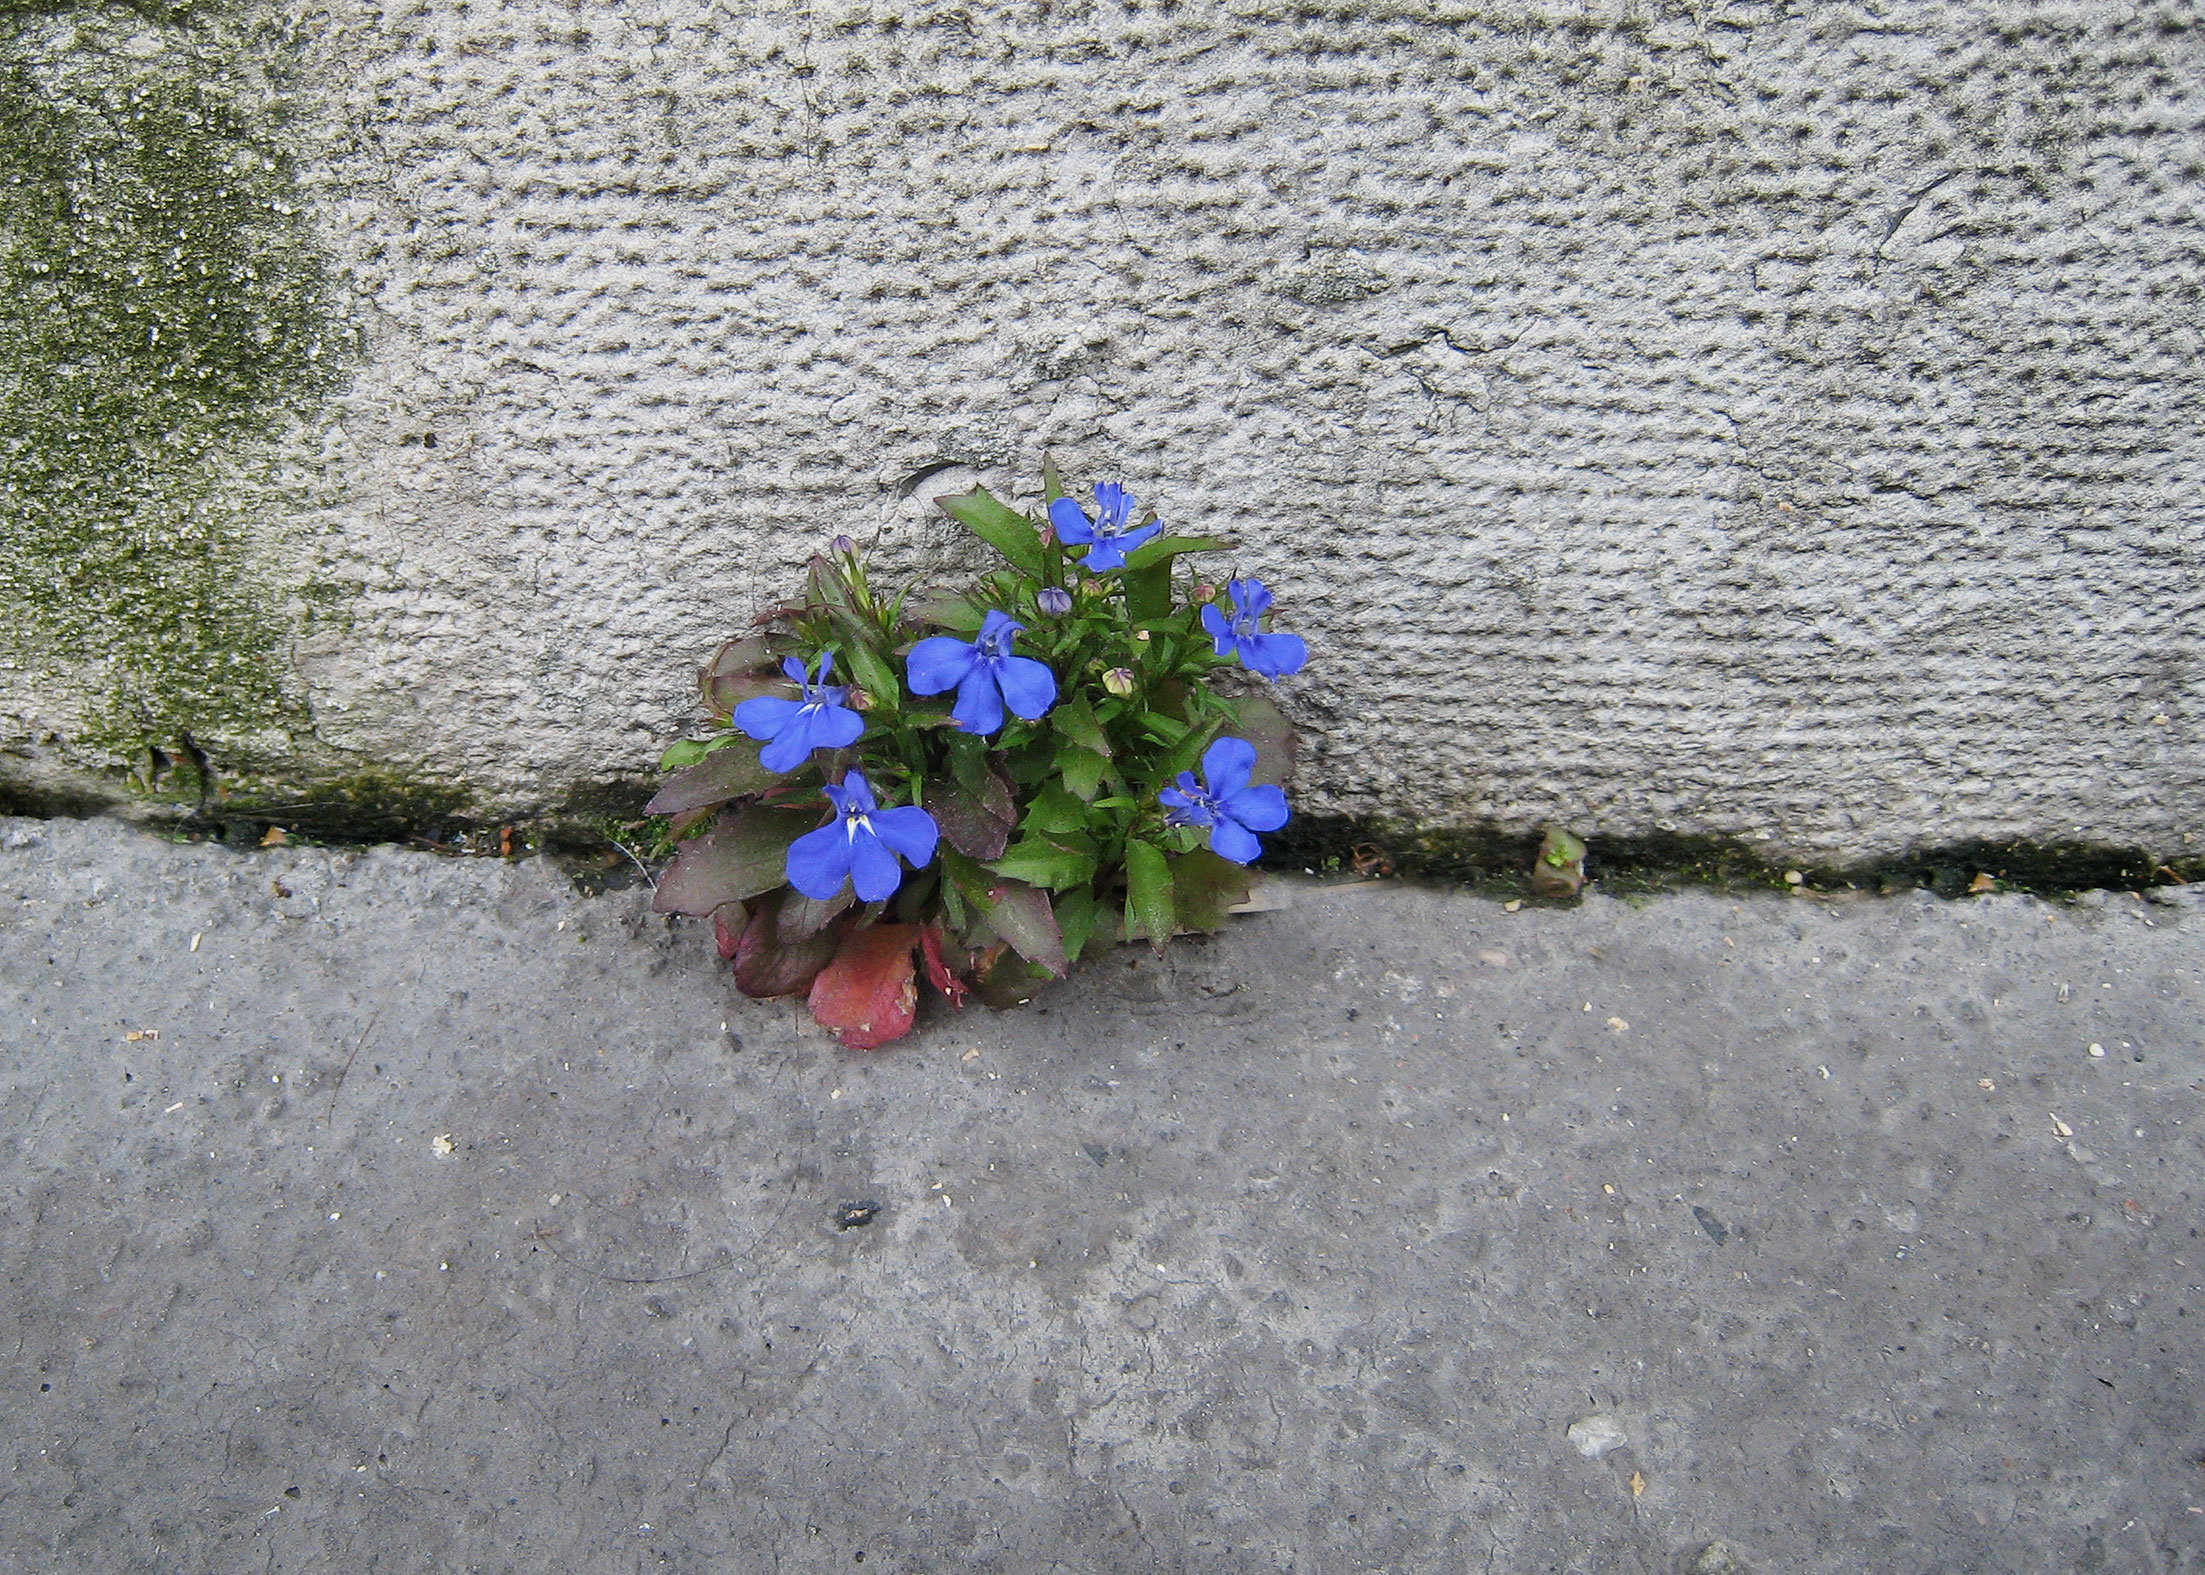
{"type": "Point", "coordinates": [163, 319]}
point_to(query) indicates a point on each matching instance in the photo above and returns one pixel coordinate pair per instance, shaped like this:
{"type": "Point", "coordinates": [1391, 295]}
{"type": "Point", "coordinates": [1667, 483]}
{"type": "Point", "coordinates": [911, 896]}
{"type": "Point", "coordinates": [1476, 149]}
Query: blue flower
{"type": "Point", "coordinates": [1272, 655]}
{"type": "Point", "coordinates": [985, 675]}
{"type": "Point", "coordinates": [860, 845]}
{"type": "Point", "coordinates": [1106, 537]}
{"type": "Point", "coordinates": [1232, 810]}
{"type": "Point", "coordinates": [792, 729]}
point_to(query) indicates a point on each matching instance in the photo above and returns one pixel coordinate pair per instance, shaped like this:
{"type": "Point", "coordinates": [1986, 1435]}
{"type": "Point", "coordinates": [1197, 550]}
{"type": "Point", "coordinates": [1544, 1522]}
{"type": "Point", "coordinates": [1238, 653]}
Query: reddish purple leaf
{"type": "Point", "coordinates": [765, 968]}
{"type": "Point", "coordinates": [731, 771]}
{"type": "Point", "coordinates": [728, 921]}
{"type": "Point", "coordinates": [801, 917]}
{"type": "Point", "coordinates": [869, 994]}
{"type": "Point", "coordinates": [1022, 915]}
{"type": "Point", "coordinates": [737, 671]}
{"type": "Point", "coordinates": [976, 825]}
{"type": "Point", "coordinates": [939, 951]}
{"type": "Point", "coordinates": [745, 853]}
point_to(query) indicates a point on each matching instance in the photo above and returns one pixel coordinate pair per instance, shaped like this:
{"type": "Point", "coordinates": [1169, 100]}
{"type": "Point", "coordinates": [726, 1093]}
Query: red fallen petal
{"type": "Point", "coordinates": [870, 993]}
{"type": "Point", "coordinates": [937, 971]}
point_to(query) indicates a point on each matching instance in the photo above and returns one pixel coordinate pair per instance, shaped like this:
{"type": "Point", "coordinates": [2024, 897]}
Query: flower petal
{"type": "Point", "coordinates": [1250, 595]}
{"type": "Point", "coordinates": [938, 664]}
{"type": "Point", "coordinates": [1257, 808]}
{"type": "Point", "coordinates": [857, 795]}
{"type": "Point", "coordinates": [1113, 505]}
{"type": "Point", "coordinates": [873, 868]}
{"type": "Point", "coordinates": [1071, 522]}
{"type": "Point", "coordinates": [763, 716]}
{"type": "Point", "coordinates": [836, 727]}
{"type": "Point", "coordinates": [1103, 556]}
{"type": "Point", "coordinates": [1231, 840]}
{"type": "Point", "coordinates": [1226, 764]}
{"type": "Point", "coordinates": [1220, 628]}
{"type": "Point", "coordinates": [1028, 687]}
{"type": "Point", "coordinates": [1274, 655]}
{"type": "Point", "coordinates": [1133, 539]}
{"type": "Point", "coordinates": [795, 670]}
{"type": "Point", "coordinates": [979, 707]}
{"type": "Point", "coordinates": [792, 746]}
{"type": "Point", "coordinates": [908, 830]}
{"type": "Point", "coordinates": [819, 861]}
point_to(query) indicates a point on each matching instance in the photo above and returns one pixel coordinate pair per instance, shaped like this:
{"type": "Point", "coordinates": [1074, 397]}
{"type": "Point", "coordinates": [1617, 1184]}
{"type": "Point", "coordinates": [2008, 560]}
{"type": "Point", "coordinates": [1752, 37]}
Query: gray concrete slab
{"type": "Point", "coordinates": [373, 1211]}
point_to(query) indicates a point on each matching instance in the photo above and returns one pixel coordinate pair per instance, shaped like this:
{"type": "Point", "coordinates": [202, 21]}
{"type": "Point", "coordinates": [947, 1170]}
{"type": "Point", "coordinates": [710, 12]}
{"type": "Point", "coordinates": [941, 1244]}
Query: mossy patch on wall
{"type": "Point", "coordinates": [164, 321]}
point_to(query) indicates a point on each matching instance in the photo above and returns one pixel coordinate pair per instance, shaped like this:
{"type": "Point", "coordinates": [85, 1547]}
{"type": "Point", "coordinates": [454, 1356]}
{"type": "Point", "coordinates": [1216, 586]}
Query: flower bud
{"type": "Point", "coordinates": [1054, 601]}
{"type": "Point", "coordinates": [844, 546]}
{"type": "Point", "coordinates": [1205, 592]}
{"type": "Point", "coordinates": [1048, 535]}
{"type": "Point", "coordinates": [1119, 681]}
{"type": "Point", "coordinates": [859, 700]}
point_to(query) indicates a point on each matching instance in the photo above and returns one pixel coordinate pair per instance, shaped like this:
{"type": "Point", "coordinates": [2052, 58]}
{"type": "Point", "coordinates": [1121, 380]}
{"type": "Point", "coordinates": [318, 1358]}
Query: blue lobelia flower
{"type": "Point", "coordinates": [1107, 536]}
{"type": "Point", "coordinates": [1232, 810]}
{"type": "Point", "coordinates": [792, 729]}
{"type": "Point", "coordinates": [860, 845]}
{"type": "Point", "coordinates": [985, 675]}
{"type": "Point", "coordinates": [1272, 655]}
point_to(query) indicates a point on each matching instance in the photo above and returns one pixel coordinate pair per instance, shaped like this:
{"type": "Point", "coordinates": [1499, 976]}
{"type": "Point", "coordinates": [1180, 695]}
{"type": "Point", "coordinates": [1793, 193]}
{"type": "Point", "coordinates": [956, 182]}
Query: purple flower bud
{"type": "Point", "coordinates": [1119, 681]}
{"type": "Point", "coordinates": [844, 546]}
{"type": "Point", "coordinates": [1053, 601]}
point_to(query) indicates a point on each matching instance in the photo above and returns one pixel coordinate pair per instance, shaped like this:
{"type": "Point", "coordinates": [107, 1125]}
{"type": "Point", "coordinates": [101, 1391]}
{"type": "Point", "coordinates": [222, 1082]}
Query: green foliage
{"type": "Point", "coordinates": [1053, 838]}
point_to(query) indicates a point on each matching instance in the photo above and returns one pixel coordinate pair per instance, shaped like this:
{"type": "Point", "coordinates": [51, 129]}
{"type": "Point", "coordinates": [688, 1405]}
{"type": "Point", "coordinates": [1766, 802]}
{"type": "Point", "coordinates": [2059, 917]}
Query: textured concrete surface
{"type": "Point", "coordinates": [1760, 418]}
{"type": "Point", "coordinates": [376, 1212]}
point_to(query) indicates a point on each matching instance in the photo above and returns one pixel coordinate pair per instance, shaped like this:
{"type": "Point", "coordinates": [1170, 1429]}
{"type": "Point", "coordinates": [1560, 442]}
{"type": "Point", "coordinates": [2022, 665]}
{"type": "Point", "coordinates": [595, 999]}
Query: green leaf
{"type": "Point", "coordinates": [1148, 906]}
{"type": "Point", "coordinates": [745, 853]}
{"type": "Point", "coordinates": [1162, 549]}
{"type": "Point", "coordinates": [1052, 484]}
{"type": "Point", "coordinates": [1204, 889]}
{"type": "Point", "coordinates": [1081, 770]}
{"type": "Point", "coordinates": [1182, 755]}
{"type": "Point", "coordinates": [1076, 910]}
{"type": "Point", "coordinates": [1148, 591]}
{"type": "Point", "coordinates": [682, 752]}
{"type": "Point", "coordinates": [873, 674]}
{"type": "Point", "coordinates": [722, 775]}
{"type": "Point", "coordinates": [949, 611]}
{"type": "Point", "coordinates": [1001, 527]}
{"type": "Point", "coordinates": [1075, 719]}
{"type": "Point", "coordinates": [1264, 725]}
{"type": "Point", "coordinates": [1053, 809]}
{"type": "Point", "coordinates": [1040, 862]}
{"type": "Point", "coordinates": [1022, 916]}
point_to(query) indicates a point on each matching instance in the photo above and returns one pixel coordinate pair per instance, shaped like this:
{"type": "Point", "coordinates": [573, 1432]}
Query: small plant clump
{"type": "Point", "coordinates": [985, 783]}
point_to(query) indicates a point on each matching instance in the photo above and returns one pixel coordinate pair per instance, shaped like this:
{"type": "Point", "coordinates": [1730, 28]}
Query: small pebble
{"type": "Point", "coordinates": [2097, 1052]}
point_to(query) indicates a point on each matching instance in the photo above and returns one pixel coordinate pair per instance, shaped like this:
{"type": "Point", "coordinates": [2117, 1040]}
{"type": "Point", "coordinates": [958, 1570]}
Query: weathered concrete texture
{"type": "Point", "coordinates": [1749, 418]}
{"type": "Point", "coordinates": [443, 1226]}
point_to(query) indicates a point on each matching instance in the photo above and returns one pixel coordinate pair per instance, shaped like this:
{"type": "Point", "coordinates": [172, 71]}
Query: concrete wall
{"type": "Point", "coordinates": [1769, 419]}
